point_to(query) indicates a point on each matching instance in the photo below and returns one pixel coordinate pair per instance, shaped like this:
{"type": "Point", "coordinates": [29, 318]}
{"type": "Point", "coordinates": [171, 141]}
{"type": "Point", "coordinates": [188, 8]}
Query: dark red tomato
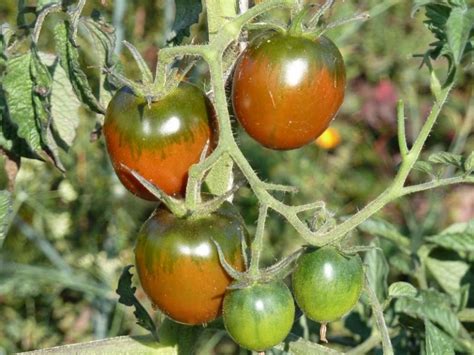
{"type": "Point", "coordinates": [160, 141]}
{"type": "Point", "coordinates": [178, 264]}
{"type": "Point", "coordinates": [260, 316]}
{"type": "Point", "coordinates": [286, 90]}
{"type": "Point", "coordinates": [327, 284]}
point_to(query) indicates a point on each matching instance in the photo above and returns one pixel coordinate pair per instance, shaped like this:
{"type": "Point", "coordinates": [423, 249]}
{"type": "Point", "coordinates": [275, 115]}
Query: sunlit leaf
{"type": "Point", "coordinates": [432, 305]}
{"type": "Point", "coordinates": [69, 59]}
{"type": "Point", "coordinates": [399, 289]}
{"type": "Point", "coordinates": [448, 273]}
{"type": "Point", "coordinates": [437, 341]}
{"type": "Point", "coordinates": [5, 212]}
{"type": "Point", "coordinates": [377, 271]}
{"type": "Point", "coordinates": [459, 237]}
{"type": "Point", "coordinates": [18, 87]}
{"type": "Point", "coordinates": [447, 159]}
{"type": "Point", "coordinates": [458, 28]}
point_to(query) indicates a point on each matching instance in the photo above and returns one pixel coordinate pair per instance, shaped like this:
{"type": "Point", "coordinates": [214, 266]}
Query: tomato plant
{"type": "Point", "coordinates": [160, 140]}
{"type": "Point", "coordinates": [288, 86]}
{"type": "Point", "coordinates": [287, 89]}
{"type": "Point", "coordinates": [259, 316]}
{"type": "Point", "coordinates": [178, 263]}
{"type": "Point", "coordinates": [327, 284]}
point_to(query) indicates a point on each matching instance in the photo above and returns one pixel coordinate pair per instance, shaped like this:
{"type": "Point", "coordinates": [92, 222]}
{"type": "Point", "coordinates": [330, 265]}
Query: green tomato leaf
{"type": "Point", "coordinates": [402, 262]}
{"type": "Point", "coordinates": [64, 113]}
{"type": "Point", "coordinates": [447, 273]}
{"type": "Point", "coordinates": [377, 270]}
{"type": "Point", "coordinates": [458, 28]}
{"type": "Point", "coordinates": [220, 178]}
{"type": "Point", "coordinates": [446, 158]}
{"type": "Point", "coordinates": [433, 305]}
{"type": "Point", "coordinates": [5, 141]}
{"type": "Point", "coordinates": [303, 347]}
{"type": "Point", "coordinates": [6, 34]}
{"type": "Point", "coordinates": [435, 86]}
{"type": "Point", "coordinates": [187, 14]}
{"type": "Point", "coordinates": [382, 228]}
{"type": "Point", "coordinates": [180, 336]}
{"type": "Point", "coordinates": [43, 81]}
{"type": "Point", "coordinates": [424, 167]}
{"type": "Point", "coordinates": [102, 39]}
{"type": "Point", "coordinates": [127, 297]}
{"type": "Point", "coordinates": [69, 60]}
{"type": "Point", "coordinates": [459, 237]}
{"type": "Point", "coordinates": [5, 213]}
{"type": "Point", "coordinates": [437, 341]}
{"type": "Point", "coordinates": [18, 86]}
{"type": "Point", "coordinates": [469, 164]}
{"type": "Point", "coordinates": [402, 289]}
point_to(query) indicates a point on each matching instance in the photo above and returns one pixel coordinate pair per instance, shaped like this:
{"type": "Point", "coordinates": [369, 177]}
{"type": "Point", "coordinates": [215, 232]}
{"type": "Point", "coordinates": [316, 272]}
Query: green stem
{"type": "Point", "coordinates": [257, 244]}
{"type": "Point", "coordinates": [402, 140]}
{"type": "Point", "coordinates": [466, 315]}
{"type": "Point", "coordinates": [436, 183]}
{"type": "Point", "coordinates": [379, 319]}
{"type": "Point", "coordinates": [218, 13]}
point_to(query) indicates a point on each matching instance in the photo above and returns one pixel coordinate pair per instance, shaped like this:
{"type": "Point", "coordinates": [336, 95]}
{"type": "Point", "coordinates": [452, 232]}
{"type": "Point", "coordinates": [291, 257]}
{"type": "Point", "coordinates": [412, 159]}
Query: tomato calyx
{"type": "Point", "coordinates": [309, 21]}
{"type": "Point", "coordinates": [152, 89]}
{"type": "Point", "coordinates": [244, 279]}
{"type": "Point", "coordinates": [181, 208]}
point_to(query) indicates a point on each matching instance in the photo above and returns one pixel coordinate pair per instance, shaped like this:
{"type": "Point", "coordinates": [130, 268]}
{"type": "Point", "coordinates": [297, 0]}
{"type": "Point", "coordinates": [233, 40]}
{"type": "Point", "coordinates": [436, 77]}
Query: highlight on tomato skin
{"type": "Point", "coordinates": [287, 89]}
{"type": "Point", "coordinates": [178, 264]}
{"type": "Point", "coordinates": [161, 140]}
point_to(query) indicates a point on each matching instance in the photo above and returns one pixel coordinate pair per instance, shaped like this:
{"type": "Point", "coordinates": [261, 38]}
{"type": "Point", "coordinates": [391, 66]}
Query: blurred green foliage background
{"type": "Point", "coordinates": [72, 234]}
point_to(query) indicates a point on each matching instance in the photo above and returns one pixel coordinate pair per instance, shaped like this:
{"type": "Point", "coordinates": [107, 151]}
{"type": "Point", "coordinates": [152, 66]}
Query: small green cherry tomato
{"type": "Point", "coordinates": [260, 316]}
{"type": "Point", "coordinates": [327, 284]}
{"type": "Point", "coordinates": [287, 89]}
{"type": "Point", "coordinates": [178, 264]}
{"type": "Point", "coordinates": [160, 140]}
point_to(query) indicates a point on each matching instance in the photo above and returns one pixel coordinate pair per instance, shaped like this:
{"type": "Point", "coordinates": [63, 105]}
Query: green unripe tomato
{"type": "Point", "coordinates": [327, 284]}
{"type": "Point", "coordinates": [260, 316]}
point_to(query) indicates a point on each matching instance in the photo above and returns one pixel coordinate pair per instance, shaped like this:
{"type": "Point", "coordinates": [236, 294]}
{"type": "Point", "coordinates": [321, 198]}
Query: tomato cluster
{"type": "Point", "coordinates": [286, 90]}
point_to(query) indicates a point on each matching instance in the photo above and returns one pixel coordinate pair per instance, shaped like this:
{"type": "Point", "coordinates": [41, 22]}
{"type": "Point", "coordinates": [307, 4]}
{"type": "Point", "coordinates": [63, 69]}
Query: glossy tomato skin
{"type": "Point", "coordinates": [286, 89]}
{"type": "Point", "coordinates": [161, 140]}
{"type": "Point", "coordinates": [178, 264]}
{"type": "Point", "coordinates": [327, 284]}
{"type": "Point", "coordinates": [260, 316]}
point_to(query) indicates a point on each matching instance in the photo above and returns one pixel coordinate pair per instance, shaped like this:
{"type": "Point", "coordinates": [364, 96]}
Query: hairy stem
{"type": "Point", "coordinates": [257, 244]}
{"type": "Point", "coordinates": [379, 319]}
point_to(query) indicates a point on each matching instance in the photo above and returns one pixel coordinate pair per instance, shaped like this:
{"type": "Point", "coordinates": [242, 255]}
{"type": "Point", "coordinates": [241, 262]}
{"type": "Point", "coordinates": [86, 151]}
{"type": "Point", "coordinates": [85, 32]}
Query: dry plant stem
{"type": "Point", "coordinates": [322, 332]}
{"type": "Point", "coordinates": [379, 319]}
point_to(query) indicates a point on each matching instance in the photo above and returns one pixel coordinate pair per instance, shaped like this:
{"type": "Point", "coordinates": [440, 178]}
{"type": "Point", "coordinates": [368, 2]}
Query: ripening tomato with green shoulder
{"type": "Point", "coordinates": [178, 263]}
{"type": "Point", "coordinates": [160, 140]}
{"type": "Point", "coordinates": [259, 316]}
{"type": "Point", "coordinates": [327, 284]}
{"type": "Point", "coordinates": [287, 89]}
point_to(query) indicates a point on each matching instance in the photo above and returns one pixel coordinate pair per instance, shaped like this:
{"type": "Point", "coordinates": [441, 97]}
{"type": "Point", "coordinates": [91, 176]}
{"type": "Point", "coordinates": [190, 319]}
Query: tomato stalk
{"type": "Point", "coordinates": [257, 244]}
{"type": "Point", "coordinates": [379, 319]}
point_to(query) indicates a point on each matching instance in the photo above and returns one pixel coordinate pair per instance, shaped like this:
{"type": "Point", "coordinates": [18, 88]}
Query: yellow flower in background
{"type": "Point", "coordinates": [330, 139]}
